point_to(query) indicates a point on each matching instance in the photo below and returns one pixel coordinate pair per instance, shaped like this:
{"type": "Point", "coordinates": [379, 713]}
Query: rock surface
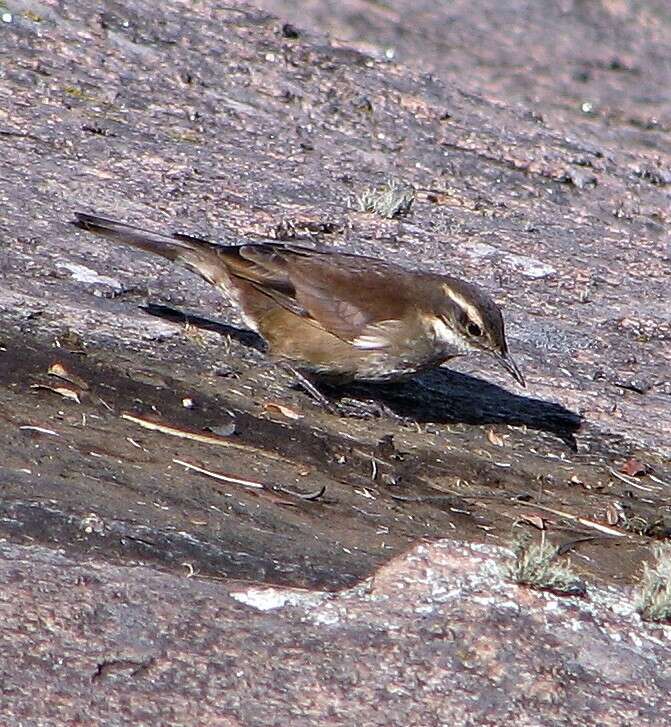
{"type": "Point", "coordinates": [436, 637]}
{"type": "Point", "coordinates": [537, 138]}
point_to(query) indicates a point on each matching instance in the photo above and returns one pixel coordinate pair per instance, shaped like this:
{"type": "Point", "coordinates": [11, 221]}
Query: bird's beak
{"type": "Point", "coordinates": [508, 363]}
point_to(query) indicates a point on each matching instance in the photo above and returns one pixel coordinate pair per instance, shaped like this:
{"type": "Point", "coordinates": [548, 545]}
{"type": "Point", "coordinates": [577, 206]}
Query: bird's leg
{"type": "Point", "coordinates": [346, 407]}
{"type": "Point", "coordinates": [312, 390]}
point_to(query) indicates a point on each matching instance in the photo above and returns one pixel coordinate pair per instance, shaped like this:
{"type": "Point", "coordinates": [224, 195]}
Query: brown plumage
{"type": "Point", "coordinates": [339, 315]}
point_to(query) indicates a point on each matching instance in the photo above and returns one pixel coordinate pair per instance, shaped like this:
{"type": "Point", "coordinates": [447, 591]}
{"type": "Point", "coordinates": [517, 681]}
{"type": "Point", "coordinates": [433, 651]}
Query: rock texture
{"type": "Point", "coordinates": [437, 637]}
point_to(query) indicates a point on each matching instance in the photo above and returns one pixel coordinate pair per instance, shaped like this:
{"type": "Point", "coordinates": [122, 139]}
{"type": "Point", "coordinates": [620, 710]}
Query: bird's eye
{"type": "Point", "coordinates": [474, 329]}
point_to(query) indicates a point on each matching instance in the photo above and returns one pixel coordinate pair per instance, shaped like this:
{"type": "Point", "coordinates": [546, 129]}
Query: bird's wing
{"type": "Point", "coordinates": [351, 297]}
{"type": "Point", "coordinates": [346, 295]}
{"type": "Point", "coordinates": [263, 268]}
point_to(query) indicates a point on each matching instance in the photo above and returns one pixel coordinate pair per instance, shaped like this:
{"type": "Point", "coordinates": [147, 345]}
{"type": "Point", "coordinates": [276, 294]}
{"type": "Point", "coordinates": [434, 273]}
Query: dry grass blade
{"type": "Point", "coordinates": [200, 437]}
{"type": "Point", "coordinates": [576, 518]}
{"type": "Point", "coordinates": [535, 565]}
{"type": "Point", "coordinates": [223, 478]}
{"type": "Point", "coordinates": [654, 603]}
{"type": "Point", "coordinates": [254, 484]}
{"type": "Point", "coordinates": [41, 430]}
{"type": "Point", "coordinates": [631, 481]}
{"type": "Point", "coordinates": [65, 391]}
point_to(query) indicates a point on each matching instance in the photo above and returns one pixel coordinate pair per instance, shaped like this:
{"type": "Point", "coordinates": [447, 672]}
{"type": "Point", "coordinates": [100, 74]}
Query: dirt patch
{"type": "Point", "coordinates": [468, 458]}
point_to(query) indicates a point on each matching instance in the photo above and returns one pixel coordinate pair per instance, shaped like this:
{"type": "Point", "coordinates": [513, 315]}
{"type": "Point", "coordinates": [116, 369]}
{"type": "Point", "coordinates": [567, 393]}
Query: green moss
{"type": "Point", "coordinates": [535, 565]}
{"type": "Point", "coordinates": [654, 603]}
{"type": "Point", "coordinates": [185, 135]}
{"type": "Point", "coordinates": [392, 199]}
{"type": "Point", "coordinates": [74, 91]}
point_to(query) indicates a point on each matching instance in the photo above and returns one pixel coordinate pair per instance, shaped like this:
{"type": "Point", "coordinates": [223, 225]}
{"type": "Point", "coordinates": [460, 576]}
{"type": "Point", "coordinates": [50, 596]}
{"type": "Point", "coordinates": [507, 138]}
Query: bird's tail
{"type": "Point", "coordinates": [199, 255]}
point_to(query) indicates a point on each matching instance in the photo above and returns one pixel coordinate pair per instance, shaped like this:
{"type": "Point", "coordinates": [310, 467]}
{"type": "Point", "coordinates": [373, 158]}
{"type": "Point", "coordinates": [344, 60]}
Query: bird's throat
{"type": "Point", "coordinates": [447, 337]}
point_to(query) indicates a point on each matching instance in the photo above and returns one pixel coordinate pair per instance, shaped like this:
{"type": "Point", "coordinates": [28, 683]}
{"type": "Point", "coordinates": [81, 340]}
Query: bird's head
{"type": "Point", "coordinates": [475, 320]}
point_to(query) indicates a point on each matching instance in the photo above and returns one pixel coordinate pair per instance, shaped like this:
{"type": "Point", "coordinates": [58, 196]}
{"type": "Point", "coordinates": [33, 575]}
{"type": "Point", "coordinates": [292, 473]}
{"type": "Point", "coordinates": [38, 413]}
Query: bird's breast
{"type": "Point", "coordinates": [399, 349]}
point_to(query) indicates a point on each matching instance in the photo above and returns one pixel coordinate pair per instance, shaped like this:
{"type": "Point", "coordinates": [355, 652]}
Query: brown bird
{"type": "Point", "coordinates": [345, 317]}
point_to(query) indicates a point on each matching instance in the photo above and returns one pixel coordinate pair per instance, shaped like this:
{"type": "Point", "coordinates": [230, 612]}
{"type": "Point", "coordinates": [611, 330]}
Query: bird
{"type": "Point", "coordinates": [335, 316]}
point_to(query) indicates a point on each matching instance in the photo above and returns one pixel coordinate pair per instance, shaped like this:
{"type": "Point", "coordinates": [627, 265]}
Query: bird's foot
{"type": "Point", "coordinates": [355, 408]}
{"type": "Point", "coordinates": [364, 409]}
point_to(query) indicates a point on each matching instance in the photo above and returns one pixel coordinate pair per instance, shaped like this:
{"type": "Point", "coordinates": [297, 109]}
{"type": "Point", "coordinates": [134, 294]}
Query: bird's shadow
{"type": "Point", "coordinates": [245, 337]}
{"type": "Point", "coordinates": [444, 396]}
{"type": "Point", "coordinates": [441, 396]}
